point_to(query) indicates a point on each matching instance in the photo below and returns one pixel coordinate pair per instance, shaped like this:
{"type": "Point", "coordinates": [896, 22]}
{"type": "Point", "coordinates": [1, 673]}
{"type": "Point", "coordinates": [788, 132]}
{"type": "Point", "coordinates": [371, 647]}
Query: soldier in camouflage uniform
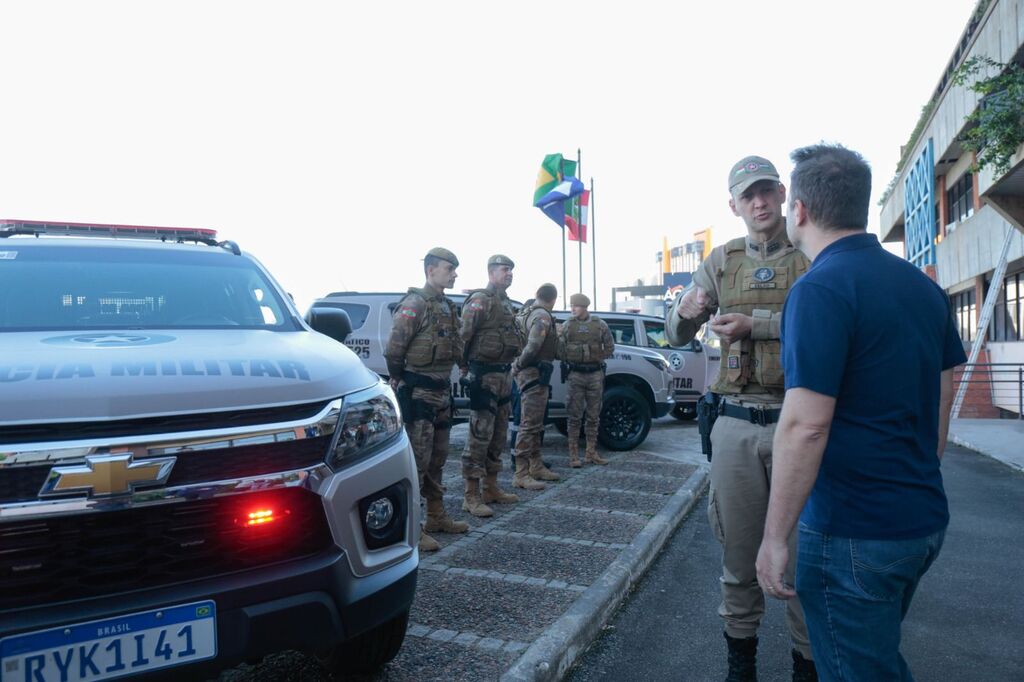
{"type": "Point", "coordinates": [585, 343]}
{"type": "Point", "coordinates": [746, 282]}
{"type": "Point", "coordinates": [423, 347]}
{"type": "Point", "coordinates": [532, 371]}
{"type": "Point", "coordinates": [491, 341]}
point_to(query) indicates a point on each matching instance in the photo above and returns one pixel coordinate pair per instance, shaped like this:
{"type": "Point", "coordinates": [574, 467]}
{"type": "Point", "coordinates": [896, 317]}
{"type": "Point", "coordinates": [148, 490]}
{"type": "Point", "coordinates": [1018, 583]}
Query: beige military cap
{"type": "Point", "coordinates": [498, 259]}
{"type": "Point", "coordinates": [579, 299]}
{"type": "Point", "coordinates": [444, 254]}
{"type": "Point", "coordinates": [749, 170]}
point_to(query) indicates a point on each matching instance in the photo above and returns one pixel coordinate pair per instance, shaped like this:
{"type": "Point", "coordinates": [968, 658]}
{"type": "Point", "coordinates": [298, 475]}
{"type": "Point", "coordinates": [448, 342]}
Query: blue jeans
{"type": "Point", "coordinates": [855, 594]}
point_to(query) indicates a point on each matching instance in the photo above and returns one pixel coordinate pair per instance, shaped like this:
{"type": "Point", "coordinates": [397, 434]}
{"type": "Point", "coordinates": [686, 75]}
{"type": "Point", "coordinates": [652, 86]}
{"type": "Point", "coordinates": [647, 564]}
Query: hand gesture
{"type": "Point", "coordinates": [693, 304]}
{"type": "Point", "coordinates": [732, 327]}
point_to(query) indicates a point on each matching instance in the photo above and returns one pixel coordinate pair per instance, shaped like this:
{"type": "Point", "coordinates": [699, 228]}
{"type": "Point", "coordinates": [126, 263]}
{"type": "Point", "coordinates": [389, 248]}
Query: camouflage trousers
{"type": "Point", "coordinates": [429, 439]}
{"type": "Point", "coordinates": [586, 391]}
{"type": "Point", "coordinates": [533, 404]}
{"type": "Point", "coordinates": [488, 428]}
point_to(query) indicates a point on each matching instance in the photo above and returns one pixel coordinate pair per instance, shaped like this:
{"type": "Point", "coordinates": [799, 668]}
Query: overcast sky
{"type": "Point", "coordinates": [339, 141]}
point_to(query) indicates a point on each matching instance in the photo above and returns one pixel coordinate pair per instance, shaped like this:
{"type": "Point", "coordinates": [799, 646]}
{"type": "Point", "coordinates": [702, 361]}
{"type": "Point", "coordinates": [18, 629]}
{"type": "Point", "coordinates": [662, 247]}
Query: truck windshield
{"type": "Point", "coordinates": [55, 287]}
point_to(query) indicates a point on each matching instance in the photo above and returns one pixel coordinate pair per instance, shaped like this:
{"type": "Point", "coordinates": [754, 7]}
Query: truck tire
{"type": "Point", "coordinates": [685, 412]}
{"type": "Point", "coordinates": [369, 651]}
{"type": "Point", "coordinates": [625, 419]}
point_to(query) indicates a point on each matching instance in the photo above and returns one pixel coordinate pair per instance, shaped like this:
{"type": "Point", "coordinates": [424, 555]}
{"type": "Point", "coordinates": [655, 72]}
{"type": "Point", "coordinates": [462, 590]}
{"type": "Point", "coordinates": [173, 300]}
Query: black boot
{"type": "Point", "coordinates": [742, 659]}
{"type": "Point", "coordinates": [803, 669]}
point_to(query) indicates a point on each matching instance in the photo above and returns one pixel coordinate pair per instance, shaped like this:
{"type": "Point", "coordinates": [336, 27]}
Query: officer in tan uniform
{"type": "Point", "coordinates": [423, 347]}
{"type": "Point", "coordinates": [746, 282]}
{"type": "Point", "coordinates": [585, 342]}
{"type": "Point", "coordinates": [532, 371]}
{"type": "Point", "coordinates": [491, 341]}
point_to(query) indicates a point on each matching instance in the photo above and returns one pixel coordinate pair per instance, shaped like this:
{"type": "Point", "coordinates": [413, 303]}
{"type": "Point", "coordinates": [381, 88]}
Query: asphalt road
{"type": "Point", "coordinates": [966, 623]}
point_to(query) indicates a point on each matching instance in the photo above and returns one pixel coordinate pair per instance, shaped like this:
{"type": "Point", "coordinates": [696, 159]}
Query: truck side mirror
{"type": "Point", "coordinates": [332, 322]}
{"type": "Point", "coordinates": [695, 346]}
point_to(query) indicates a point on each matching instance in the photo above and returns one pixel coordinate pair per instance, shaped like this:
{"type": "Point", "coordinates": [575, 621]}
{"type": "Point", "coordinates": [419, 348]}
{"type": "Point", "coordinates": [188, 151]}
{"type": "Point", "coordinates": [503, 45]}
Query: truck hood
{"type": "Point", "coordinates": [99, 376]}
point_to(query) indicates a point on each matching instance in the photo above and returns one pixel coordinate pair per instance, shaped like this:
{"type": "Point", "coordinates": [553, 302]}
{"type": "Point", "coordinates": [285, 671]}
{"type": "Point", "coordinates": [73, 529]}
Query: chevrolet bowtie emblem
{"type": "Point", "coordinates": [107, 475]}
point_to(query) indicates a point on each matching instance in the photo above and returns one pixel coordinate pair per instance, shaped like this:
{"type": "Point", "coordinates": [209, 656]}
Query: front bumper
{"type": "Point", "coordinates": [310, 603]}
{"type": "Point", "coordinates": [661, 409]}
{"type": "Point", "coordinates": [307, 605]}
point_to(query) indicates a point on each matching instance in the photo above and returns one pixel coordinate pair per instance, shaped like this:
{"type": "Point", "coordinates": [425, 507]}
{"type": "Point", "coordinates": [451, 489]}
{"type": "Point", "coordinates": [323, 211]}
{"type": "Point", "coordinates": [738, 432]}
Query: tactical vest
{"type": "Point", "coordinates": [432, 350]}
{"type": "Point", "coordinates": [747, 284]}
{"type": "Point", "coordinates": [524, 319]}
{"type": "Point", "coordinates": [497, 339]}
{"type": "Point", "coordinates": [581, 341]}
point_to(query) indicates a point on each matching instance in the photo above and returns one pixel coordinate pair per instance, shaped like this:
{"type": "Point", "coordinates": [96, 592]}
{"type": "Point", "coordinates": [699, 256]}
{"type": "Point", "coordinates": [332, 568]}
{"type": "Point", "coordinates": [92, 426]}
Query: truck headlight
{"type": "Point", "coordinates": [369, 420]}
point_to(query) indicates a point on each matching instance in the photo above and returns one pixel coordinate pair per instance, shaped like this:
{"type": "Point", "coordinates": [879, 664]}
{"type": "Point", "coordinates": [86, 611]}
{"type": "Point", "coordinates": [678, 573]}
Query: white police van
{"type": "Point", "coordinates": [637, 382]}
{"type": "Point", "coordinates": [190, 474]}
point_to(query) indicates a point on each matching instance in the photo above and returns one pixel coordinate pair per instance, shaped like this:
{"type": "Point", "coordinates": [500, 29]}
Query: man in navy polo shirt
{"type": "Point", "coordinates": [868, 349]}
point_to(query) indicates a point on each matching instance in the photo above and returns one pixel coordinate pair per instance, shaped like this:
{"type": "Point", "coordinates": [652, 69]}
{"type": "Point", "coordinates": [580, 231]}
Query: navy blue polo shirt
{"type": "Point", "coordinates": [874, 332]}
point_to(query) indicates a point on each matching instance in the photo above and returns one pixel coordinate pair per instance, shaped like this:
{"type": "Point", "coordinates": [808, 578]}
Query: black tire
{"type": "Point", "coordinates": [369, 651]}
{"type": "Point", "coordinates": [625, 419]}
{"type": "Point", "coordinates": [685, 413]}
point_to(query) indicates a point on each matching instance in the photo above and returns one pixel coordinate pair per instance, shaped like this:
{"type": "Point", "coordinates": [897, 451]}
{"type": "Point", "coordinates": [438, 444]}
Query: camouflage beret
{"type": "Point", "coordinates": [498, 259]}
{"type": "Point", "coordinates": [444, 254]}
{"type": "Point", "coordinates": [579, 299]}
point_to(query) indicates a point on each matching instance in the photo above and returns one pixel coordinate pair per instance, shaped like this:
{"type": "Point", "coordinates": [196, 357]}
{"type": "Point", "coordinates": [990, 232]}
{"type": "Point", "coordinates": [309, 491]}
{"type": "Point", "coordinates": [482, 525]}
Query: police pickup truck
{"type": "Point", "coordinates": [694, 367]}
{"type": "Point", "coordinates": [190, 474]}
{"type": "Point", "coordinates": [637, 383]}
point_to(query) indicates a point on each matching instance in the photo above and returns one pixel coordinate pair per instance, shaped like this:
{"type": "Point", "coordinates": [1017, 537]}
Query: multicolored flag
{"type": "Point", "coordinates": [556, 184]}
{"type": "Point", "coordinates": [576, 217]}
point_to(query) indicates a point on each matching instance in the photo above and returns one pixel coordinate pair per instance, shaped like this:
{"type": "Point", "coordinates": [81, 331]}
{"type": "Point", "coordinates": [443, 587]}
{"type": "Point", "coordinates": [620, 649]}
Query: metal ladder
{"type": "Point", "coordinates": [994, 291]}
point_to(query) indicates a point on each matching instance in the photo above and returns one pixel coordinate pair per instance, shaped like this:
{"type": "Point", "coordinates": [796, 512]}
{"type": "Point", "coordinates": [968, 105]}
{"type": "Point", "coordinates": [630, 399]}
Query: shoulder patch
{"type": "Point", "coordinates": [408, 311]}
{"type": "Point", "coordinates": [476, 304]}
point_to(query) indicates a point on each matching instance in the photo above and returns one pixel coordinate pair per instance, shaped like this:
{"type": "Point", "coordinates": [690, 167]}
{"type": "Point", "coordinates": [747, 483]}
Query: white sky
{"type": "Point", "coordinates": [339, 141]}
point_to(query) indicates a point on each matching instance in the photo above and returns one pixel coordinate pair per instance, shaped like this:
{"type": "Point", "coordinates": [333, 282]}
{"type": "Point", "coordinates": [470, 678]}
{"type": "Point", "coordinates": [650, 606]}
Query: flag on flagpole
{"type": "Point", "coordinates": [577, 222]}
{"type": "Point", "coordinates": [555, 185]}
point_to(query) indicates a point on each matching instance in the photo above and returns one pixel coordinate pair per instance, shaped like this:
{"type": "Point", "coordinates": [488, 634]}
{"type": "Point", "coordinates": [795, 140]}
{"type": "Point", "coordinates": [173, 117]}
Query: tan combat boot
{"type": "Point", "coordinates": [541, 472]}
{"type": "Point", "coordinates": [522, 479]}
{"type": "Point", "coordinates": [592, 455]}
{"type": "Point", "coordinates": [427, 543]}
{"type": "Point", "coordinates": [494, 494]}
{"type": "Point", "coordinates": [438, 520]}
{"type": "Point", "coordinates": [472, 502]}
{"type": "Point", "coordinates": [574, 454]}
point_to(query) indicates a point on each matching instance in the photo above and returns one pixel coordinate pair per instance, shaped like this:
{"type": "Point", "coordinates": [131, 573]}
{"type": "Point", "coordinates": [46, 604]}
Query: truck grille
{"type": "Point", "coordinates": [90, 555]}
{"type": "Point", "coordinates": [22, 483]}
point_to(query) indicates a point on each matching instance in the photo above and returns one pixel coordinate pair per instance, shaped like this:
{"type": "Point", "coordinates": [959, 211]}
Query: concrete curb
{"type": "Point", "coordinates": [965, 443]}
{"type": "Point", "coordinates": [551, 655]}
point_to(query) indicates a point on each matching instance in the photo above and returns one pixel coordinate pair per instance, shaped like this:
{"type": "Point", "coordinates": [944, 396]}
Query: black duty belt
{"type": "Point", "coordinates": [585, 369]}
{"type": "Point", "coordinates": [415, 380]}
{"type": "Point", "coordinates": [755, 415]}
{"type": "Point", "coordinates": [481, 368]}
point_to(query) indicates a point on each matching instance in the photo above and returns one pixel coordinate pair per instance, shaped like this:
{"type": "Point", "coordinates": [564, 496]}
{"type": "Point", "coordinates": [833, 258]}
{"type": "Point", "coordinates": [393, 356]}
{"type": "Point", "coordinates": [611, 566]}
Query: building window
{"type": "Point", "coordinates": [965, 308]}
{"type": "Point", "coordinates": [1007, 316]}
{"type": "Point", "coordinates": [960, 200]}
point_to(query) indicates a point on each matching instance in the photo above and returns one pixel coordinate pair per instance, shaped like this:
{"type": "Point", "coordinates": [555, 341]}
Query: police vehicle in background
{"type": "Point", "coordinates": [637, 385]}
{"type": "Point", "coordinates": [694, 367]}
{"type": "Point", "coordinates": [190, 474]}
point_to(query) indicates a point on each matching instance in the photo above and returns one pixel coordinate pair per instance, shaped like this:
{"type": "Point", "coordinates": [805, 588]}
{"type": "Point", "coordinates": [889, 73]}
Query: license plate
{"type": "Point", "coordinates": [113, 647]}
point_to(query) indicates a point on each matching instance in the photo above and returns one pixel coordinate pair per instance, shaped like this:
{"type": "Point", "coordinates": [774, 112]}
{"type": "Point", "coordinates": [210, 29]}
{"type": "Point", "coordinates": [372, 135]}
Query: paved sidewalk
{"type": "Point", "coordinates": [1001, 439]}
{"type": "Point", "coordinates": [526, 591]}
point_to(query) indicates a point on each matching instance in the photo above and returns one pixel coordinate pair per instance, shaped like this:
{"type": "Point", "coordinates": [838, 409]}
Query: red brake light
{"type": "Point", "coordinates": [260, 517]}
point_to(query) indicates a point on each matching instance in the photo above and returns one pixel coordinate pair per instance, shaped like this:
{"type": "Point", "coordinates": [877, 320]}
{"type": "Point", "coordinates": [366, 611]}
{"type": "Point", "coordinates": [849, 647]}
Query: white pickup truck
{"type": "Point", "coordinates": [638, 383]}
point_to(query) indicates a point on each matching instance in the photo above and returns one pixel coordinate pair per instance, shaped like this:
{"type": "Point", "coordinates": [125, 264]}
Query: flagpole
{"type": "Point", "coordinates": [579, 174]}
{"type": "Point", "coordinates": [564, 299]}
{"type": "Point", "coordinates": [593, 239]}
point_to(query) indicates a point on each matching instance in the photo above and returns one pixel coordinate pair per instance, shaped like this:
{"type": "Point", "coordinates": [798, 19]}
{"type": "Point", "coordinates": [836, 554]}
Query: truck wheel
{"type": "Point", "coordinates": [685, 413]}
{"type": "Point", "coordinates": [369, 651]}
{"type": "Point", "coordinates": [625, 419]}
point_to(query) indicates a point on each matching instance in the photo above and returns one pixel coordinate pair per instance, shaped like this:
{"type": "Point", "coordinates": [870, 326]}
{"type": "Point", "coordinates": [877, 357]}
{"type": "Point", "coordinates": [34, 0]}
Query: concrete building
{"type": "Point", "coordinates": [953, 221]}
{"type": "Point", "coordinates": [672, 271]}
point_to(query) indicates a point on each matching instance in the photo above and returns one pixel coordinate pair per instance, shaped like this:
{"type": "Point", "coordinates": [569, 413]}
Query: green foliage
{"type": "Point", "coordinates": [996, 126]}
